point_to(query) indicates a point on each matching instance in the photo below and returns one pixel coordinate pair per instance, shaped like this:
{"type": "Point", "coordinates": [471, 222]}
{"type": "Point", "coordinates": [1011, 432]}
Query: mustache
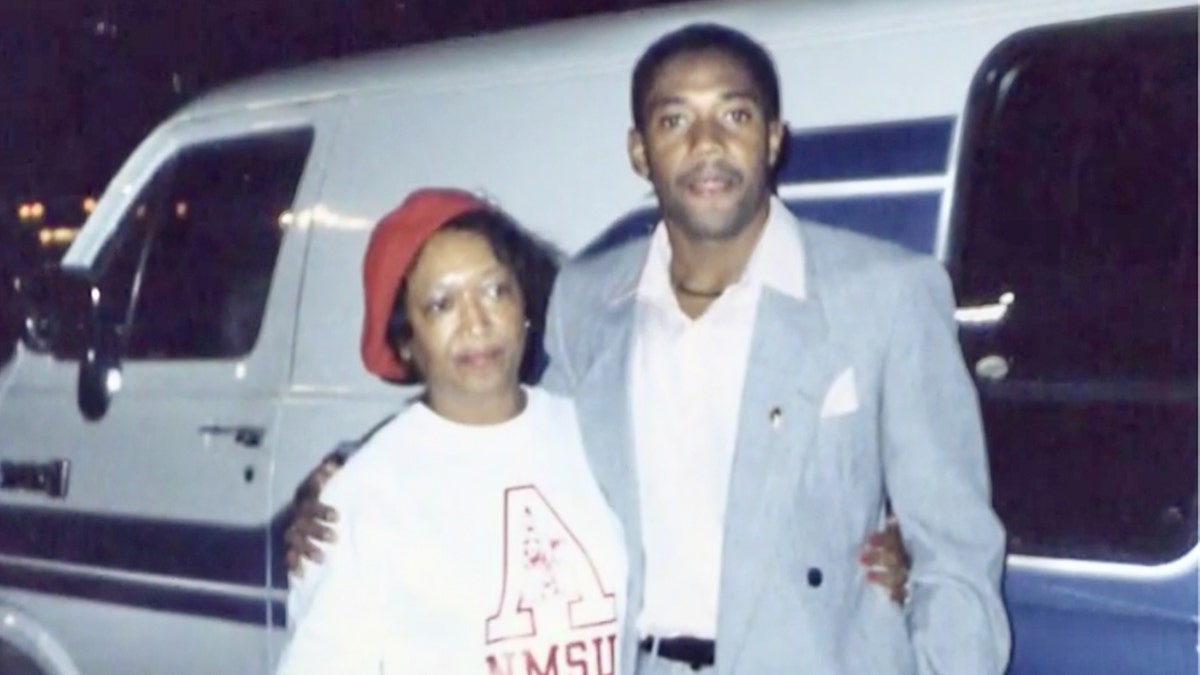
{"type": "Point", "coordinates": [718, 169]}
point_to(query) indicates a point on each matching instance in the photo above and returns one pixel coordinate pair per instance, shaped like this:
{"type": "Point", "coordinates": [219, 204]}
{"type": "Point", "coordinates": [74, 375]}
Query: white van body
{"type": "Point", "coordinates": [162, 554]}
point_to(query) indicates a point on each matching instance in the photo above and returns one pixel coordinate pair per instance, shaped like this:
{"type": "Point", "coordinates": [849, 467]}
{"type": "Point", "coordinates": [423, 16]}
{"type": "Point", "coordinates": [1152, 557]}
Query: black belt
{"type": "Point", "coordinates": [695, 652]}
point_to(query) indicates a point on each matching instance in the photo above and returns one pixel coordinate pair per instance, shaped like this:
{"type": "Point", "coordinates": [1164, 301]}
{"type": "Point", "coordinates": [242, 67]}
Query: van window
{"type": "Point", "coordinates": [1075, 247]}
{"type": "Point", "coordinates": [186, 275]}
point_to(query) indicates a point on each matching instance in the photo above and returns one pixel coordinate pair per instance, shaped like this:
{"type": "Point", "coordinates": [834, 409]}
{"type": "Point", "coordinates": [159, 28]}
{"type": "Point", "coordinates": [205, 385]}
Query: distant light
{"type": "Point", "coordinates": [181, 209]}
{"type": "Point", "coordinates": [287, 219]}
{"type": "Point", "coordinates": [95, 295]}
{"type": "Point", "coordinates": [141, 211]}
{"type": "Point", "coordinates": [36, 210]}
{"type": "Point", "coordinates": [56, 235]}
{"type": "Point", "coordinates": [89, 204]}
{"type": "Point", "coordinates": [25, 212]}
{"type": "Point", "coordinates": [176, 83]}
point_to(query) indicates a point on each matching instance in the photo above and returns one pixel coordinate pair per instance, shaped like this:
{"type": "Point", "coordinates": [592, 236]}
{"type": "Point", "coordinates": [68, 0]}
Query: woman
{"type": "Point", "coordinates": [471, 537]}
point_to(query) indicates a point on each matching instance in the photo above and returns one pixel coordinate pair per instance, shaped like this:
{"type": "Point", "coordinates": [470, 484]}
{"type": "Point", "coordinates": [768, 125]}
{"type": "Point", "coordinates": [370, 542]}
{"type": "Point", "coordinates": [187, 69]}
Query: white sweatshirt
{"type": "Point", "coordinates": [465, 549]}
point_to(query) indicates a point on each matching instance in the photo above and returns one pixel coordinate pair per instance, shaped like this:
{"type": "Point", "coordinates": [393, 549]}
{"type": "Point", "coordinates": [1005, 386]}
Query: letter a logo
{"type": "Point", "coordinates": [548, 575]}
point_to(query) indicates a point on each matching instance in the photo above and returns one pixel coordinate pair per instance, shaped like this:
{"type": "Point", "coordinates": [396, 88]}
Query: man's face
{"type": "Point", "coordinates": [707, 145]}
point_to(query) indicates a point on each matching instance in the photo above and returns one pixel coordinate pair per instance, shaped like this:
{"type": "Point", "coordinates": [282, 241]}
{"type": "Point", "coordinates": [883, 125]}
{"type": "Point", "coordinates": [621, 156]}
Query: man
{"type": "Point", "coordinates": [754, 389]}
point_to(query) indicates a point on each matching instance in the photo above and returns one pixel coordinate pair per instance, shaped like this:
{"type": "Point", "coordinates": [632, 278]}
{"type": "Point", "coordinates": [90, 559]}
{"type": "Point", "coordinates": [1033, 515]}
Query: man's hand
{"type": "Point", "coordinates": [310, 517]}
{"type": "Point", "coordinates": [886, 561]}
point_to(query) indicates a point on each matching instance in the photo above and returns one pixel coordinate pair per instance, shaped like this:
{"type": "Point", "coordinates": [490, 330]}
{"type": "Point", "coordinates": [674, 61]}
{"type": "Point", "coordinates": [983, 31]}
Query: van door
{"type": "Point", "coordinates": [148, 550]}
{"type": "Point", "coordinates": [1073, 251]}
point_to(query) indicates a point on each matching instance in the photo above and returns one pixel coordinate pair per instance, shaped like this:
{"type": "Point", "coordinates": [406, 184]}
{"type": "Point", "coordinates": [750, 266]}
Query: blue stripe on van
{"type": "Point", "coordinates": [900, 149]}
{"type": "Point", "coordinates": [168, 548]}
{"type": "Point", "coordinates": [142, 595]}
{"type": "Point", "coordinates": [886, 150]}
{"type": "Point", "coordinates": [182, 549]}
{"type": "Point", "coordinates": [629, 228]}
{"type": "Point", "coordinates": [909, 220]}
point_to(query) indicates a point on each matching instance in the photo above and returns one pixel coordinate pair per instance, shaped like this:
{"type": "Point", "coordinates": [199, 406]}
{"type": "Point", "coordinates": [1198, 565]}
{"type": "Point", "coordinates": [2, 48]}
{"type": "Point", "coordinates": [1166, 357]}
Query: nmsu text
{"type": "Point", "coordinates": [580, 657]}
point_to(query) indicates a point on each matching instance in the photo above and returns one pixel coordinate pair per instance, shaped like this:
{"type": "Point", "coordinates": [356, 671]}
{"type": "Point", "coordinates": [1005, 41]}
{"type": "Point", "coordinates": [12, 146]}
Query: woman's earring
{"type": "Point", "coordinates": [406, 354]}
{"type": "Point", "coordinates": [527, 324]}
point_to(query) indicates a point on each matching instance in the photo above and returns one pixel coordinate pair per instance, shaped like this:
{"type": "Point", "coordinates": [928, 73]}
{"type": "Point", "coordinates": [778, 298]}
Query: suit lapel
{"type": "Point", "coordinates": [603, 402]}
{"type": "Point", "coordinates": [788, 372]}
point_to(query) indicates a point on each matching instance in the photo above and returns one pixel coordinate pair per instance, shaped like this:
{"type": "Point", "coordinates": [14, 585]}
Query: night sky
{"type": "Point", "coordinates": [84, 80]}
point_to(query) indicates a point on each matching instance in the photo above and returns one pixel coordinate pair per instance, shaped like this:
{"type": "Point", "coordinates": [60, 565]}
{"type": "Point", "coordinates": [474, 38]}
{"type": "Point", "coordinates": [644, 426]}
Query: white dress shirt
{"type": "Point", "coordinates": [686, 385]}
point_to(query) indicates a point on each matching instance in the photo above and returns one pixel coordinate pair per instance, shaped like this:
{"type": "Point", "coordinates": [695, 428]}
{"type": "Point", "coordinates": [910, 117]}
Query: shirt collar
{"type": "Point", "coordinates": [778, 260]}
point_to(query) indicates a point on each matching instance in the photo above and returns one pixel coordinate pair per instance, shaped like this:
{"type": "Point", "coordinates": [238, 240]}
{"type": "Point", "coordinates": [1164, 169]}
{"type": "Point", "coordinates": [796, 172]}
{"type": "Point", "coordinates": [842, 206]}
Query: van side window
{"type": "Point", "coordinates": [187, 273]}
{"type": "Point", "coordinates": [1074, 259]}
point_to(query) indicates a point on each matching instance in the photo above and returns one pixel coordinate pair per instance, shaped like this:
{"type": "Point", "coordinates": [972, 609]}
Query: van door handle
{"type": "Point", "coordinates": [51, 477]}
{"type": "Point", "coordinates": [243, 434]}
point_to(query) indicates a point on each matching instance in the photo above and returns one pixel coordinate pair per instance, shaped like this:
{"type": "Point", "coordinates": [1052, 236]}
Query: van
{"type": "Point", "coordinates": [154, 431]}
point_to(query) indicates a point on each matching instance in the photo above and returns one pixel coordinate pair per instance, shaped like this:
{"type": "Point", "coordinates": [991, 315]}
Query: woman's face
{"type": "Point", "coordinates": [468, 322]}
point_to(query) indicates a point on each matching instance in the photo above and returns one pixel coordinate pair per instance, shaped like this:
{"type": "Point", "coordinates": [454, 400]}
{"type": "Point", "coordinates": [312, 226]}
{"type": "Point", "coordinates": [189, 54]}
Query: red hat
{"type": "Point", "coordinates": [394, 243]}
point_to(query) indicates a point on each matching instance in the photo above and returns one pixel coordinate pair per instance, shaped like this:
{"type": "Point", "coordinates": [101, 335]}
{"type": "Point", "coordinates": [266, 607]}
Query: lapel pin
{"type": "Point", "coordinates": [776, 417]}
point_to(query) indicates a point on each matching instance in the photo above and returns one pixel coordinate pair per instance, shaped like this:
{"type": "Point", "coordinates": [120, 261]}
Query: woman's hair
{"type": "Point", "coordinates": [532, 261]}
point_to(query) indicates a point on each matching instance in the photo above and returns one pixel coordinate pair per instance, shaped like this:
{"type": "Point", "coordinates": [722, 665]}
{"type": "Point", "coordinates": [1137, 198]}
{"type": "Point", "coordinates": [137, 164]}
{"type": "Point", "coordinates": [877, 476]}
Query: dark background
{"type": "Point", "coordinates": [85, 80]}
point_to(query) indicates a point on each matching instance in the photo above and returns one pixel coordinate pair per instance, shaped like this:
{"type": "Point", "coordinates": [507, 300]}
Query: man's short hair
{"type": "Point", "coordinates": [706, 37]}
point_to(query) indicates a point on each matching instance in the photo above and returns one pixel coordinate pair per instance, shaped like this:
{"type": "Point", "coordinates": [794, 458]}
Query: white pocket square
{"type": "Point", "coordinates": [842, 397]}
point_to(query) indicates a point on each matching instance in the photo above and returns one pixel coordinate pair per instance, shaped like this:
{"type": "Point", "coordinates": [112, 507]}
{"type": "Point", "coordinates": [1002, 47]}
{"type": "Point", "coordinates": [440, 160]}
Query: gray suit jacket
{"type": "Point", "coordinates": [807, 486]}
